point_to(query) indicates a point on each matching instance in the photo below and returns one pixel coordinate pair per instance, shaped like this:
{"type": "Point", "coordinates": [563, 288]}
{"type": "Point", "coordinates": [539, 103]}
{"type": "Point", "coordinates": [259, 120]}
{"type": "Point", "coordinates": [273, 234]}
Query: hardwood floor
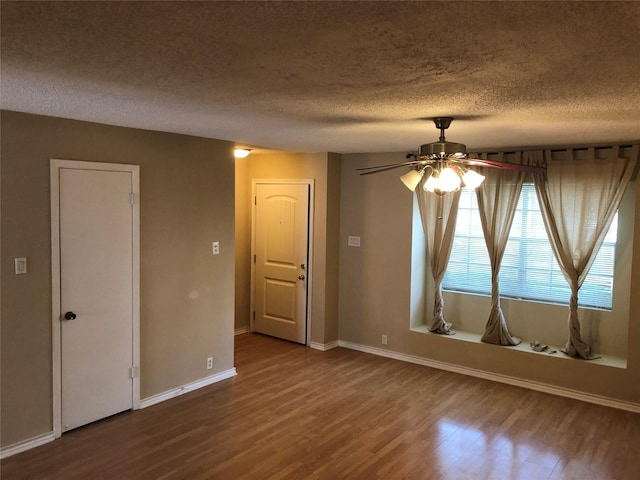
{"type": "Point", "coordinates": [297, 413]}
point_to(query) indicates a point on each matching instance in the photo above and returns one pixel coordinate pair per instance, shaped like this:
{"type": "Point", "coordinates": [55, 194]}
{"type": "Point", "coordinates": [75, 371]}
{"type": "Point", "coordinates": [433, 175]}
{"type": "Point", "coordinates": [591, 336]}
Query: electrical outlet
{"type": "Point", "coordinates": [209, 363]}
{"type": "Point", "coordinates": [384, 339]}
{"type": "Point", "coordinates": [215, 247]}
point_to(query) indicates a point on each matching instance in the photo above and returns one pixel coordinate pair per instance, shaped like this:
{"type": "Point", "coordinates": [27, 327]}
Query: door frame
{"type": "Point", "coordinates": [55, 166]}
{"type": "Point", "coordinates": [311, 184]}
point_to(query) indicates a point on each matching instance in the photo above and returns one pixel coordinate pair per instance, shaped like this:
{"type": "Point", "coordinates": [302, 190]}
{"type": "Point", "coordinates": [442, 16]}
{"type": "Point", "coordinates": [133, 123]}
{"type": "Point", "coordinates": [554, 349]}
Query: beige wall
{"type": "Point", "coordinates": [187, 295]}
{"type": "Point", "coordinates": [376, 296]}
{"type": "Point", "coordinates": [324, 169]}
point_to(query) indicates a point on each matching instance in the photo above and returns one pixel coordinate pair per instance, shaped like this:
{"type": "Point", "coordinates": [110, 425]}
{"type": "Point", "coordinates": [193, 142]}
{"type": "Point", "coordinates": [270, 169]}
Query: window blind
{"type": "Point", "coordinates": [529, 270]}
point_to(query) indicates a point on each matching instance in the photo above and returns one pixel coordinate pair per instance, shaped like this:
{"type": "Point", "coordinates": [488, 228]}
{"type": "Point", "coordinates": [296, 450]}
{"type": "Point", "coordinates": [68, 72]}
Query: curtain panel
{"type": "Point", "coordinates": [578, 198]}
{"type": "Point", "coordinates": [439, 214]}
{"type": "Point", "coordinates": [497, 201]}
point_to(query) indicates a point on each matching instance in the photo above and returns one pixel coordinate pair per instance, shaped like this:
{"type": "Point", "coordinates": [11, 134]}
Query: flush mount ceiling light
{"type": "Point", "coordinates": [447, 164]}
{"type": "Point", "coordinates": [241, 152]}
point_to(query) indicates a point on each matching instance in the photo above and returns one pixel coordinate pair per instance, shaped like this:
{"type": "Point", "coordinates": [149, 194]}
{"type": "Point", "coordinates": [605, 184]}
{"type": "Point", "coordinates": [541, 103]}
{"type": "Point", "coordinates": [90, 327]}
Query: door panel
{"type": "Point", "coordinates": [96, 284]}
{"type": "Point", "coordinates": [280, 300]}
{"type": "Point", "coordinates": [281, 250]}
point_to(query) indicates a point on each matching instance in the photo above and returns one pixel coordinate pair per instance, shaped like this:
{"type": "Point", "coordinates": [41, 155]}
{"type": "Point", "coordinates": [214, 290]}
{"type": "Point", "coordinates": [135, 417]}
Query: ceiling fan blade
{"type": "Point", "coordinates": [503, 165]}
{"type": "Point", "coordinates": [383, 168]}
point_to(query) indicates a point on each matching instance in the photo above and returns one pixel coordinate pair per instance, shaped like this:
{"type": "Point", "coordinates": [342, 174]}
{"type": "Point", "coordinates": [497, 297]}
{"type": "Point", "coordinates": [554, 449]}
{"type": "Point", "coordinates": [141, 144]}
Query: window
{"type": "Point", "coordinates": [529, 270]}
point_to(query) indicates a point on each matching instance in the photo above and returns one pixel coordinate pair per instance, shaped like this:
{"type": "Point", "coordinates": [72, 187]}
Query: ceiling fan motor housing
{"type": "Point", "coordinates": [443, 150]}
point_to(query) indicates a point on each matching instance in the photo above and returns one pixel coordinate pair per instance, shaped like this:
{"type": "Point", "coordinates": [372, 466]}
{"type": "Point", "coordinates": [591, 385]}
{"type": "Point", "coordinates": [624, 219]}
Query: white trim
{"type": "Point", "coordinates": [518, 382]}
{"type": "Point", "coordinates": [189, 387]}
{"type": "Point", "coordinates": [525, 347]}
{"type": "Point", "coordinates": [324, 346]}
{"type": "Point", "coordinates": [55, 166]}
{"type": "Point", "coordinates": [311, 222]}
{"type": "Point", "coordinates": [27, 445]}
{"type": "Point", "coordinates": [240, 331]}
{"type": "Point", "coordinates": [55, 299]}
{"type": "Point", "coordinates": [310, 257]}
{"type": "Point", "coordinates": [135, 187]}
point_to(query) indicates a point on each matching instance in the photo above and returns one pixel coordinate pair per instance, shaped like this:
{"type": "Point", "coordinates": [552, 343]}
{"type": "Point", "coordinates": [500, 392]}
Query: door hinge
{"type": "Point", "coordinates": [254, 258]}
{"type": "Point", "coordinates": [132, 198]}
{"type": "Point", "coordinates": [255, 200]}
{"type": "Point", "coordinates": [254, 315]}
{"type": "Point", "coordinates": [133, 372]}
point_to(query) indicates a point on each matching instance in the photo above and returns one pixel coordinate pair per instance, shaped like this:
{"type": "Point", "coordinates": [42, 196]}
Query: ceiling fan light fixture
{"type": "Point", "coordinates": [431, 184]}
{"type": "Point", "coordinates": [449, 175]}
{"type": "Point", "coordinates": [449, 180]}
{"type": "Point", "coordinates": [443, 181]}
{"type": "Point", "coordinates": [472, 179]}
{"type": "Point", "coordinates": [412, 179]}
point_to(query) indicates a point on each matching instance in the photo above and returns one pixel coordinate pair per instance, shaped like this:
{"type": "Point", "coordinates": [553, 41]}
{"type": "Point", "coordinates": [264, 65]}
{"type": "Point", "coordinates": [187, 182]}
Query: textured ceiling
{"type": "Point", "coordinates": [332, 76]}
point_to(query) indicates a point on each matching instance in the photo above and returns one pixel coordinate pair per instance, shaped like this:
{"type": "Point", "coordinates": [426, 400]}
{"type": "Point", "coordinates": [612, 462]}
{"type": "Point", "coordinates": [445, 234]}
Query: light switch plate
{"type": "Point", "coordinates": [21, 265]}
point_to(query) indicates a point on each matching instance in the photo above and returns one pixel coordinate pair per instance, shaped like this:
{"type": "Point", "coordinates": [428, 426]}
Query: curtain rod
{"type": "Point", "coordinates": [554, 150]}
{"type": "Point", "coordinates": [589, 148]}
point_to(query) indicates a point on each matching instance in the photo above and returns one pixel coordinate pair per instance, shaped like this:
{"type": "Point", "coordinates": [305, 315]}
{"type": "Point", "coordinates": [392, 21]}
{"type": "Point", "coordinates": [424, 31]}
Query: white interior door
{"type": "Point", "coordinates": [97, 301]}
{"type": "Point", "coordinates": [281, 245]}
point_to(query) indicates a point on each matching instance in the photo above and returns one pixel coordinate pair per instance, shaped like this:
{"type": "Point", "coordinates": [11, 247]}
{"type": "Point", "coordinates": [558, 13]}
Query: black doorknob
{"type": "Point", "coordinates": [70, 316]}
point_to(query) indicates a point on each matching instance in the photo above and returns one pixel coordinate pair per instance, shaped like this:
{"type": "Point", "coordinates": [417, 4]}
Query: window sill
{"type": "Point", "coordinates": [606, 360]}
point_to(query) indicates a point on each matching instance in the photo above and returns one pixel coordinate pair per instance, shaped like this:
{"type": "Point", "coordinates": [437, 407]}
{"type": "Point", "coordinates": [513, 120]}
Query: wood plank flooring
{"type": "Point", "coordinates": [297, 413]}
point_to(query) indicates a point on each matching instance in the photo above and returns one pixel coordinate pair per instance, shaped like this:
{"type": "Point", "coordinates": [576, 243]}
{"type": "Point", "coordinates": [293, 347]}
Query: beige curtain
{"type": "Point", "coordinates": [497, 200]}
{"type": "Point", "coordinates": [439, 213]}
{"type": "Point", "coordinates": [578, 200]}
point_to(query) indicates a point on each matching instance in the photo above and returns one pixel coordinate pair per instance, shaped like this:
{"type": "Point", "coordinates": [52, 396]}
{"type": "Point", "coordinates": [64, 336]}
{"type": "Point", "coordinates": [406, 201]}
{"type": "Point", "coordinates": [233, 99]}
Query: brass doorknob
{"type": "Point", "coordinates": [301, 276]}
{"type": "Point", "coordinates": [70, 316]}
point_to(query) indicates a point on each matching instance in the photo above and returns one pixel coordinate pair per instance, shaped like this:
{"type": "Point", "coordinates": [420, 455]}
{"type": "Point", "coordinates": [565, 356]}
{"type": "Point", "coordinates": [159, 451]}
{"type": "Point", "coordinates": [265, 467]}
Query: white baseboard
{"type": "Point", "coordinates": [518, 382]}
{"type": "Point", "coordinates": [241, 330]}
{"type": "Point", "coordinates": [324, 346]}
{"type": "Point", "coordinates": [189, 387]}
{"type": "Point", "coordinates": [27, 445]}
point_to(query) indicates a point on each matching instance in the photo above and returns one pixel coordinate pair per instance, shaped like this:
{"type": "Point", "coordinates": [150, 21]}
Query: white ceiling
{"type": "Point", "coordinates": [332, 76]}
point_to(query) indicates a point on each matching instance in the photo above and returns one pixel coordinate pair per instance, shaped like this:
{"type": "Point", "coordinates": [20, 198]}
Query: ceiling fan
{"type": "Point", "coordinates": [447, 163]}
